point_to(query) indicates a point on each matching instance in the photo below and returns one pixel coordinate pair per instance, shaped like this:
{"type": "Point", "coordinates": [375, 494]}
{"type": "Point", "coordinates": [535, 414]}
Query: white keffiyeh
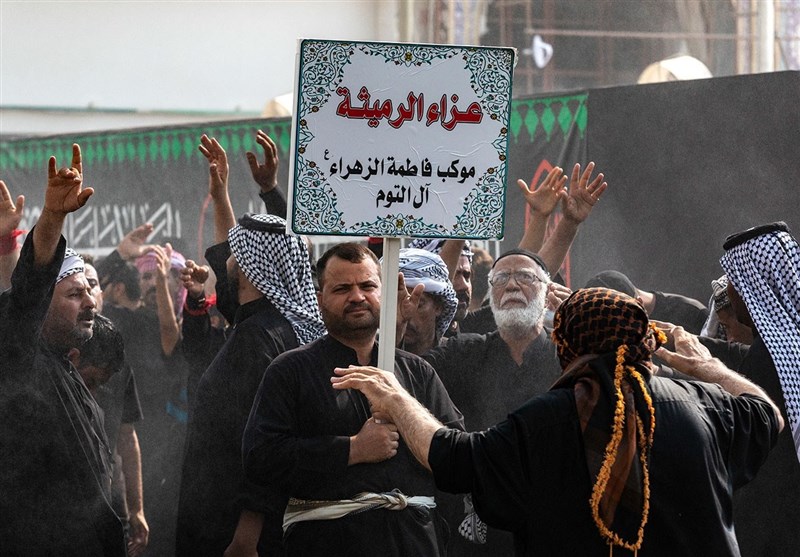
{"type": "Point", "coordinates": [278, 266]}
{"type": "Point", "coordinates": [72, 264]}
{"type": "Point", "coordinates": [765, 271]}
{"type": "Point", "coordinates": [424, 267]}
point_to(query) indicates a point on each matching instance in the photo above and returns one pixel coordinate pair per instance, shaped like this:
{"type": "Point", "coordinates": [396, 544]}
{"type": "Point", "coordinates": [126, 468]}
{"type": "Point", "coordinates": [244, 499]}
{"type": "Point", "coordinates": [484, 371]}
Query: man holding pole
{"type": "Point", "coordinates": [352, 486]}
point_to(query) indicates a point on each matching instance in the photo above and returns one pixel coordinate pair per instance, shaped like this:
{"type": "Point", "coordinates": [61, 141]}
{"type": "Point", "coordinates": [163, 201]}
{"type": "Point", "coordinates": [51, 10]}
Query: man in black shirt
{"type": "Point", "coordinates": [54, 453]}
{"type": "Point", "coordinates": [355, 488]}
{"type": "Point", "coordinates": [613, 458]}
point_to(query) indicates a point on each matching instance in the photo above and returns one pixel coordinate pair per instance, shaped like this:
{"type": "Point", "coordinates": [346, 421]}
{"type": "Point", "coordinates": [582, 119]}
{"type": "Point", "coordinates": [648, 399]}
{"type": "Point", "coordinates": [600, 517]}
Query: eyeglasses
{"type": "Point", "coordinates": [525, 278]}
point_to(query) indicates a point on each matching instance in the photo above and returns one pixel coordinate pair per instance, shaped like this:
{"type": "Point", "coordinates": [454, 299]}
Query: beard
{"type": "Point", "coordinates": [517, 322]}
{"type": "Point", "coordinates": [352, 326]}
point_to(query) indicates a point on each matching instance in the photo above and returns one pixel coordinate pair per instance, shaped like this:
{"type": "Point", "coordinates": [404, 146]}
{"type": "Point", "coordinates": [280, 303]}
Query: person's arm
{"type": "Point", "coordinates": [414, 422]}
{"type": "Point", "coordinates": [24, 306]}
{"type": "Point", "coordinates": [224, 218]}
{"type": "Point", "coordinates": [576, 208]}
{"type": "Point", "coordinates": [450, 254]}
{"type": "Point", "coordinates": [407, 306]}
{"type": "Point", "coordinates": [134, 243]}
{"type": "Point", "coordinates": [128, 448]}
{"type": "Point", "coordinates": [65, 194]}
{"type": "Point", "coordinates": [167, 322]}
{"type": "Point", "coordinates": [245, 538]}
{"type": "Point", "coordinates": [266, 175]}
{"type": "Point", "coordinates": [542, 202]}
{"type": "Point", "coordinates": [10, 217]}
{"type": "Point", "coordinates": [694, 359]}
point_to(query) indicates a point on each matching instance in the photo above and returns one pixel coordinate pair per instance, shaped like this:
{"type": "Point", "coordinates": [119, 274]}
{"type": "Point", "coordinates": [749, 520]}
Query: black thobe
{"type": "Point", "coordinates": [213, 489]}
{"type": "Point", "coordinates": [54, 455]}
{"type": "Point", "coordinates": [767, 513]}
{"type": "Point", "coordinates": [529, 474]}
{"type": "Point", "coordinates": [486, 384]}
{"type": "Point", "coordinates": [297, 444]}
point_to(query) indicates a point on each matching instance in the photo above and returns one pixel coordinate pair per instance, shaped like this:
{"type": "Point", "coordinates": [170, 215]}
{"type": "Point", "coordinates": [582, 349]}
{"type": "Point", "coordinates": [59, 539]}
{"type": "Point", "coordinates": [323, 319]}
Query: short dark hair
{"type": "Point", "coordinates": [106, 349]}
{"type": "Point", "coordinates": [109, 273]}
{"type": "Point", "coordinates": [349, 251]}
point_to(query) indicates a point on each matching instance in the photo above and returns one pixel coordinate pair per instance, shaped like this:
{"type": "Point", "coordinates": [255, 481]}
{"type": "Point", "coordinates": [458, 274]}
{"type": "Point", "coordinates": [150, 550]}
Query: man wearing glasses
{"type": "Point", "coordinates": [489, 375]}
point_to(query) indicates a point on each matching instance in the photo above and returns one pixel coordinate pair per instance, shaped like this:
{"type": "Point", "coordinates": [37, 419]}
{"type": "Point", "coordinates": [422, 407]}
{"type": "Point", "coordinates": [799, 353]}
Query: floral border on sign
{"type": "Point", "coordinates": [315, 204]}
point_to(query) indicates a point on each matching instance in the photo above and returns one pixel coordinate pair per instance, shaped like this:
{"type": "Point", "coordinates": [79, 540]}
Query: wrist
{"type": "Point", "coordinates": [8, 242]}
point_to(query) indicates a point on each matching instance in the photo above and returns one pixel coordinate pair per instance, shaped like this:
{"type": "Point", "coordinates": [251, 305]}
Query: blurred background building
{"type": "Point", "coordinates": [70, 66]}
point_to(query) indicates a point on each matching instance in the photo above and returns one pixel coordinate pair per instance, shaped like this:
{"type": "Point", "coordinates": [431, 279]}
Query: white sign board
{"type": "Point", "coordinates": [400, 140]}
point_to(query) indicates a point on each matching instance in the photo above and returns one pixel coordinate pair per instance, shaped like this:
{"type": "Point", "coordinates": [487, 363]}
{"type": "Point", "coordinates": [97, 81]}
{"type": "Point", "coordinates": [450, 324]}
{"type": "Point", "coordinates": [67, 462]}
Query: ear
{"type": "Point", "coordinates": [74, 356]}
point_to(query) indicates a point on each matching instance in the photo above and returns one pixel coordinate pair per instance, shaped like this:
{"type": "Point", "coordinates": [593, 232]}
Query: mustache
{"type": "Point", "coordinates": [87, 315]}
{"type": "Point", "coordinates": [513, 298]}
{"type": "Point", "coordinates": [356, 307]}
{"type": "Point", "coordinates": [462, 296]}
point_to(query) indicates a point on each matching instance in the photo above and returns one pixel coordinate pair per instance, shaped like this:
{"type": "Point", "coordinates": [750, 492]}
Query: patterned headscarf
{"type": "Point", "coordinates": [423, 267]}
{"type": "Point", "coordinates": [277, 264]}
{"type": "Point", "coordinates": [148, 263]}
{"type": "Point", "coordinates": [764, 266]}
{"type": "Point", "coordinates": [72, 264]}
{"type": "Point", "coordinates": [719, 300]}
{"type": "Point", "coordinates": [602, 337]}
{"type": "Point", "coordinates": [435, 246]}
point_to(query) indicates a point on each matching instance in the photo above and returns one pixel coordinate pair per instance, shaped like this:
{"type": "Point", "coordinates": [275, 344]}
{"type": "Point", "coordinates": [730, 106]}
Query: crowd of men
{"type": "Point", "coordinates": [154, 405]}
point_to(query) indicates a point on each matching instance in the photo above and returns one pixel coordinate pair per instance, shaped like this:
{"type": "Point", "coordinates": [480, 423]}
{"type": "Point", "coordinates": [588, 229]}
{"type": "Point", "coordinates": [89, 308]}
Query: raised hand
{"type": "Point", "coordinates": [133, 244]}
{"type": "Point", "coordinates": [10, 213]}
{"type": "Point", "coordinates": [583, 194]}
{"type": "Point", "coordinates": [65, 192]}
{"type": "Point", "coordinates": [408, 303]}
{"type": "Point", "coordinates": [556, 294]}
{"type": "Point", "coordinates": [265, 175]}
{"type": "Point", "coordinates": [218, 168]}
{"type": "Point", "coordinates": [193, 277]}
{"type": "Point", "coordinates": [544, 199]}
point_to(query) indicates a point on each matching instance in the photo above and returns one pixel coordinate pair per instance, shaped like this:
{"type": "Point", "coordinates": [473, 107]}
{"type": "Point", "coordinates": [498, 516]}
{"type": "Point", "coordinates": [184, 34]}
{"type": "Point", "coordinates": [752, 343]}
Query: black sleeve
{"type": "Point", "coordinates": [487, 464]}
{"type": "Point", "coordinates": [131, 409]}
{"type": "Point", "coordinates": [275, 455]}
{"type": "Point", "coordinates": [730, 353]}
{"type": "Point", "coordinates": [24, 306]}
{"type": "Point", "coordinates": [274, 202]}
{"type": "Point", "coordinates": [217, 257]}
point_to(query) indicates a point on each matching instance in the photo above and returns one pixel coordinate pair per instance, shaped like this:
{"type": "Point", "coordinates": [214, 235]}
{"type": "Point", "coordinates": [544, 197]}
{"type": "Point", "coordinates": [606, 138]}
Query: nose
{"type": "Point", "coordinates": [356, 294]}
{"type": "Point", "coordinates": [88, 299]}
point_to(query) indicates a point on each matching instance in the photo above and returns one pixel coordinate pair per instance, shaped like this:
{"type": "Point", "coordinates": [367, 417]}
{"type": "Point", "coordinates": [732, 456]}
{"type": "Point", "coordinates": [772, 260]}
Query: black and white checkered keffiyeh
{"type": "Point", "coordinates": [436, 245]}
{"type": "Point", "coordinates": [423, 267]}
{"type": "Point", "coordinates": [277, 264]}
{"type": "Point", "coordinates": [765, 271]}
{"type": "Point", "coordinates": [72, 264]}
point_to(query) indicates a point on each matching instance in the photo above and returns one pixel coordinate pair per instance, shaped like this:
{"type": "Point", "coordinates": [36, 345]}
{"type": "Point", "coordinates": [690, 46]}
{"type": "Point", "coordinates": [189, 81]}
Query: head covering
{"type": "Point", "coordinates": [148, 263]}
{"type": "Point", "coordinates": [435, 246]}
{"type": "Point", "coordinates": [519, 251]}
{"type": "Point", "coordinates": [763, 264]}
{"type": "Point", "coordinates": [72, 264]}
{"type": "Point", "coordinates": [613, 280]}
{"type": "Point", "coordinates": [602, 337]}
{"type": "Point", "coordinates": [712, 328]}
{"type": "Point", "coordinates": [277, 264]}
{"type": "Point", "coordinates": [423, 267]}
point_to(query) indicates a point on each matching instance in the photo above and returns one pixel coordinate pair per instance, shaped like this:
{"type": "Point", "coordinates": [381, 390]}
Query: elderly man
{"type": "Point", "coordinates": [277, 311]}
{"type": "Point", "coordinates": [54, 453]}
{"type": "Point", "coordinates": [613, 459]}
{"type": "Point", "coordinates": [488, 376]}
{"type": "Point", "coordinates": [355, 488]}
